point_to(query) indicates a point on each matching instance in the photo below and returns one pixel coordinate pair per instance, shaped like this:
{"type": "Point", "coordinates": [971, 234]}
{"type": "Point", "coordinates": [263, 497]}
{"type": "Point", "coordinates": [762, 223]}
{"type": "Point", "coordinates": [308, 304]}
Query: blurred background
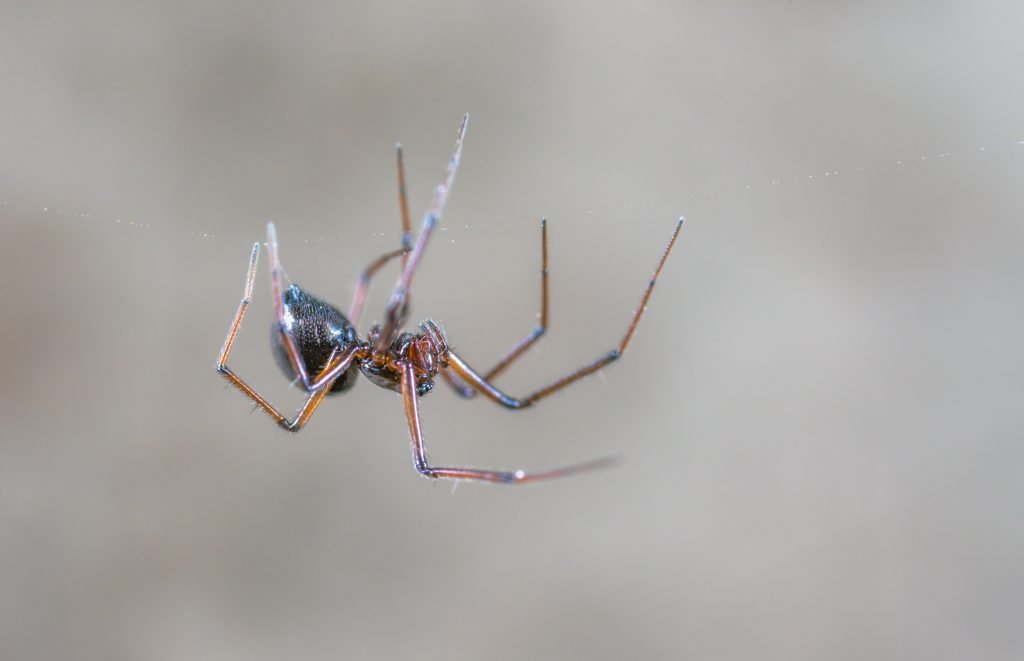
{"type": "Point", "coordinates": [820, 414]}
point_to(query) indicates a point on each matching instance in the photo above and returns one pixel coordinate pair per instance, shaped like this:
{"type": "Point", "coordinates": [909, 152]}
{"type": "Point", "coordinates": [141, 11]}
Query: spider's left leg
{"type": "Point", "coordinates": [398, 303]}
{"type": "Point", "coordinates": [335, 366]}
{"type": "Point", "coordinates": [419, 450]}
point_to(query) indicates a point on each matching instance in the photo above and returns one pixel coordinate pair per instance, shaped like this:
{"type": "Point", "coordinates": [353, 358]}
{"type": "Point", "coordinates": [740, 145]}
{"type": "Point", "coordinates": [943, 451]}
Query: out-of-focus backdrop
{"type": "Point", "coordinates": [820, 415]}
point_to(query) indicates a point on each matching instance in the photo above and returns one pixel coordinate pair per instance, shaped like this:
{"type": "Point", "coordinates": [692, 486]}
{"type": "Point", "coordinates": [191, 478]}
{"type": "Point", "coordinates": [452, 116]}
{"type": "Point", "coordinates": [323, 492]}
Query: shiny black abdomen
{"type": "Point", "coordinates": [317, 328]}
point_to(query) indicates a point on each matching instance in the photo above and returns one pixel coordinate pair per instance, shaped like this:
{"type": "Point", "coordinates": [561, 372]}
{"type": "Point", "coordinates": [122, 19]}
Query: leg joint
{"type": "Point", "coordinates": [424, 469]}
{"type": "Point", "coordinates": [290, 425]}
{"type": "Point", "coordinates": [511, 477]}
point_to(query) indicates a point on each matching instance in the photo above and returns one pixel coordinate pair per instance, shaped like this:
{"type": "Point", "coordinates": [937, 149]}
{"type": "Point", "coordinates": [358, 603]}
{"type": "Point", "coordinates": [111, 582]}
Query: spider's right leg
{"type": "Point", "coordinates": [335, 366]}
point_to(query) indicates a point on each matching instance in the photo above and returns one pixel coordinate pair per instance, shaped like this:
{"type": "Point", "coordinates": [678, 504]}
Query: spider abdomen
{"type": "Point", "coordinates": [318, 329]}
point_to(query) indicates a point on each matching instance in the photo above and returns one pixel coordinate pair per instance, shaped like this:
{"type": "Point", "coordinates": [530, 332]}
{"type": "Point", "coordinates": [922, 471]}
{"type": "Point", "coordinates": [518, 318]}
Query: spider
{"type": "Point", "coordinates": [320, 348]}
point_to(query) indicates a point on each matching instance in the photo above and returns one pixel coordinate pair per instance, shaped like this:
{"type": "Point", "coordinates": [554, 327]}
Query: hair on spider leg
{"type": "Point", "coordinates": [320, 349]}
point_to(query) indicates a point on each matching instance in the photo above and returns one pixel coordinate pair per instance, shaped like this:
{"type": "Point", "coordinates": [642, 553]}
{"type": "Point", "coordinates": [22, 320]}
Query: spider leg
{"type": "Point", "coordinates": [457, 384]}
{"type": "Point", "coordinates": [275, 282]}
{"type": "Point", "coordinates": [335, 366]}
{"type": "Point", "coordinates": [398, 303]}
{"type": "Point", "coordinates": [519, 349]}
{"type": "Point", "coordinates": [403, 203]}
{"type": "Point", "coordinates": [250, 276]}
{"type": "Point", "coordinates": [422, 464]}
{"type": "Point", "coordinates": [471, 378]}
{"type": "Point", "coordinates": [355, 311]}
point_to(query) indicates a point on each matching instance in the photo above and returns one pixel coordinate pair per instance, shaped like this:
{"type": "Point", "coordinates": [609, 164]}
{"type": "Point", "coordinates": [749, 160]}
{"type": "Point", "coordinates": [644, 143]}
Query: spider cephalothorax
{"type": "Point", "coordinates": [426, 352]}
{"type": "Point", "coordinates": [320, 348]}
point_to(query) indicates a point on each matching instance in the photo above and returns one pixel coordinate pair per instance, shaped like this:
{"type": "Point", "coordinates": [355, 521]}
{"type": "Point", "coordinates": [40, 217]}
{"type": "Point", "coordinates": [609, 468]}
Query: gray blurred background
{"type": "Point", "coordinates": [820, 415]}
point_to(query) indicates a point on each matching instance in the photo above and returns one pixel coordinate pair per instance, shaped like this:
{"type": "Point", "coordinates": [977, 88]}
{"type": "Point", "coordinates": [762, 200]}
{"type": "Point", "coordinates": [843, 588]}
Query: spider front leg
{"type": "Point", "coordinates": [335, 366]}
{"type": "Point", "coordinates": [419, 450]}
{"type": "Point", "coordinates": [467, 377]}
